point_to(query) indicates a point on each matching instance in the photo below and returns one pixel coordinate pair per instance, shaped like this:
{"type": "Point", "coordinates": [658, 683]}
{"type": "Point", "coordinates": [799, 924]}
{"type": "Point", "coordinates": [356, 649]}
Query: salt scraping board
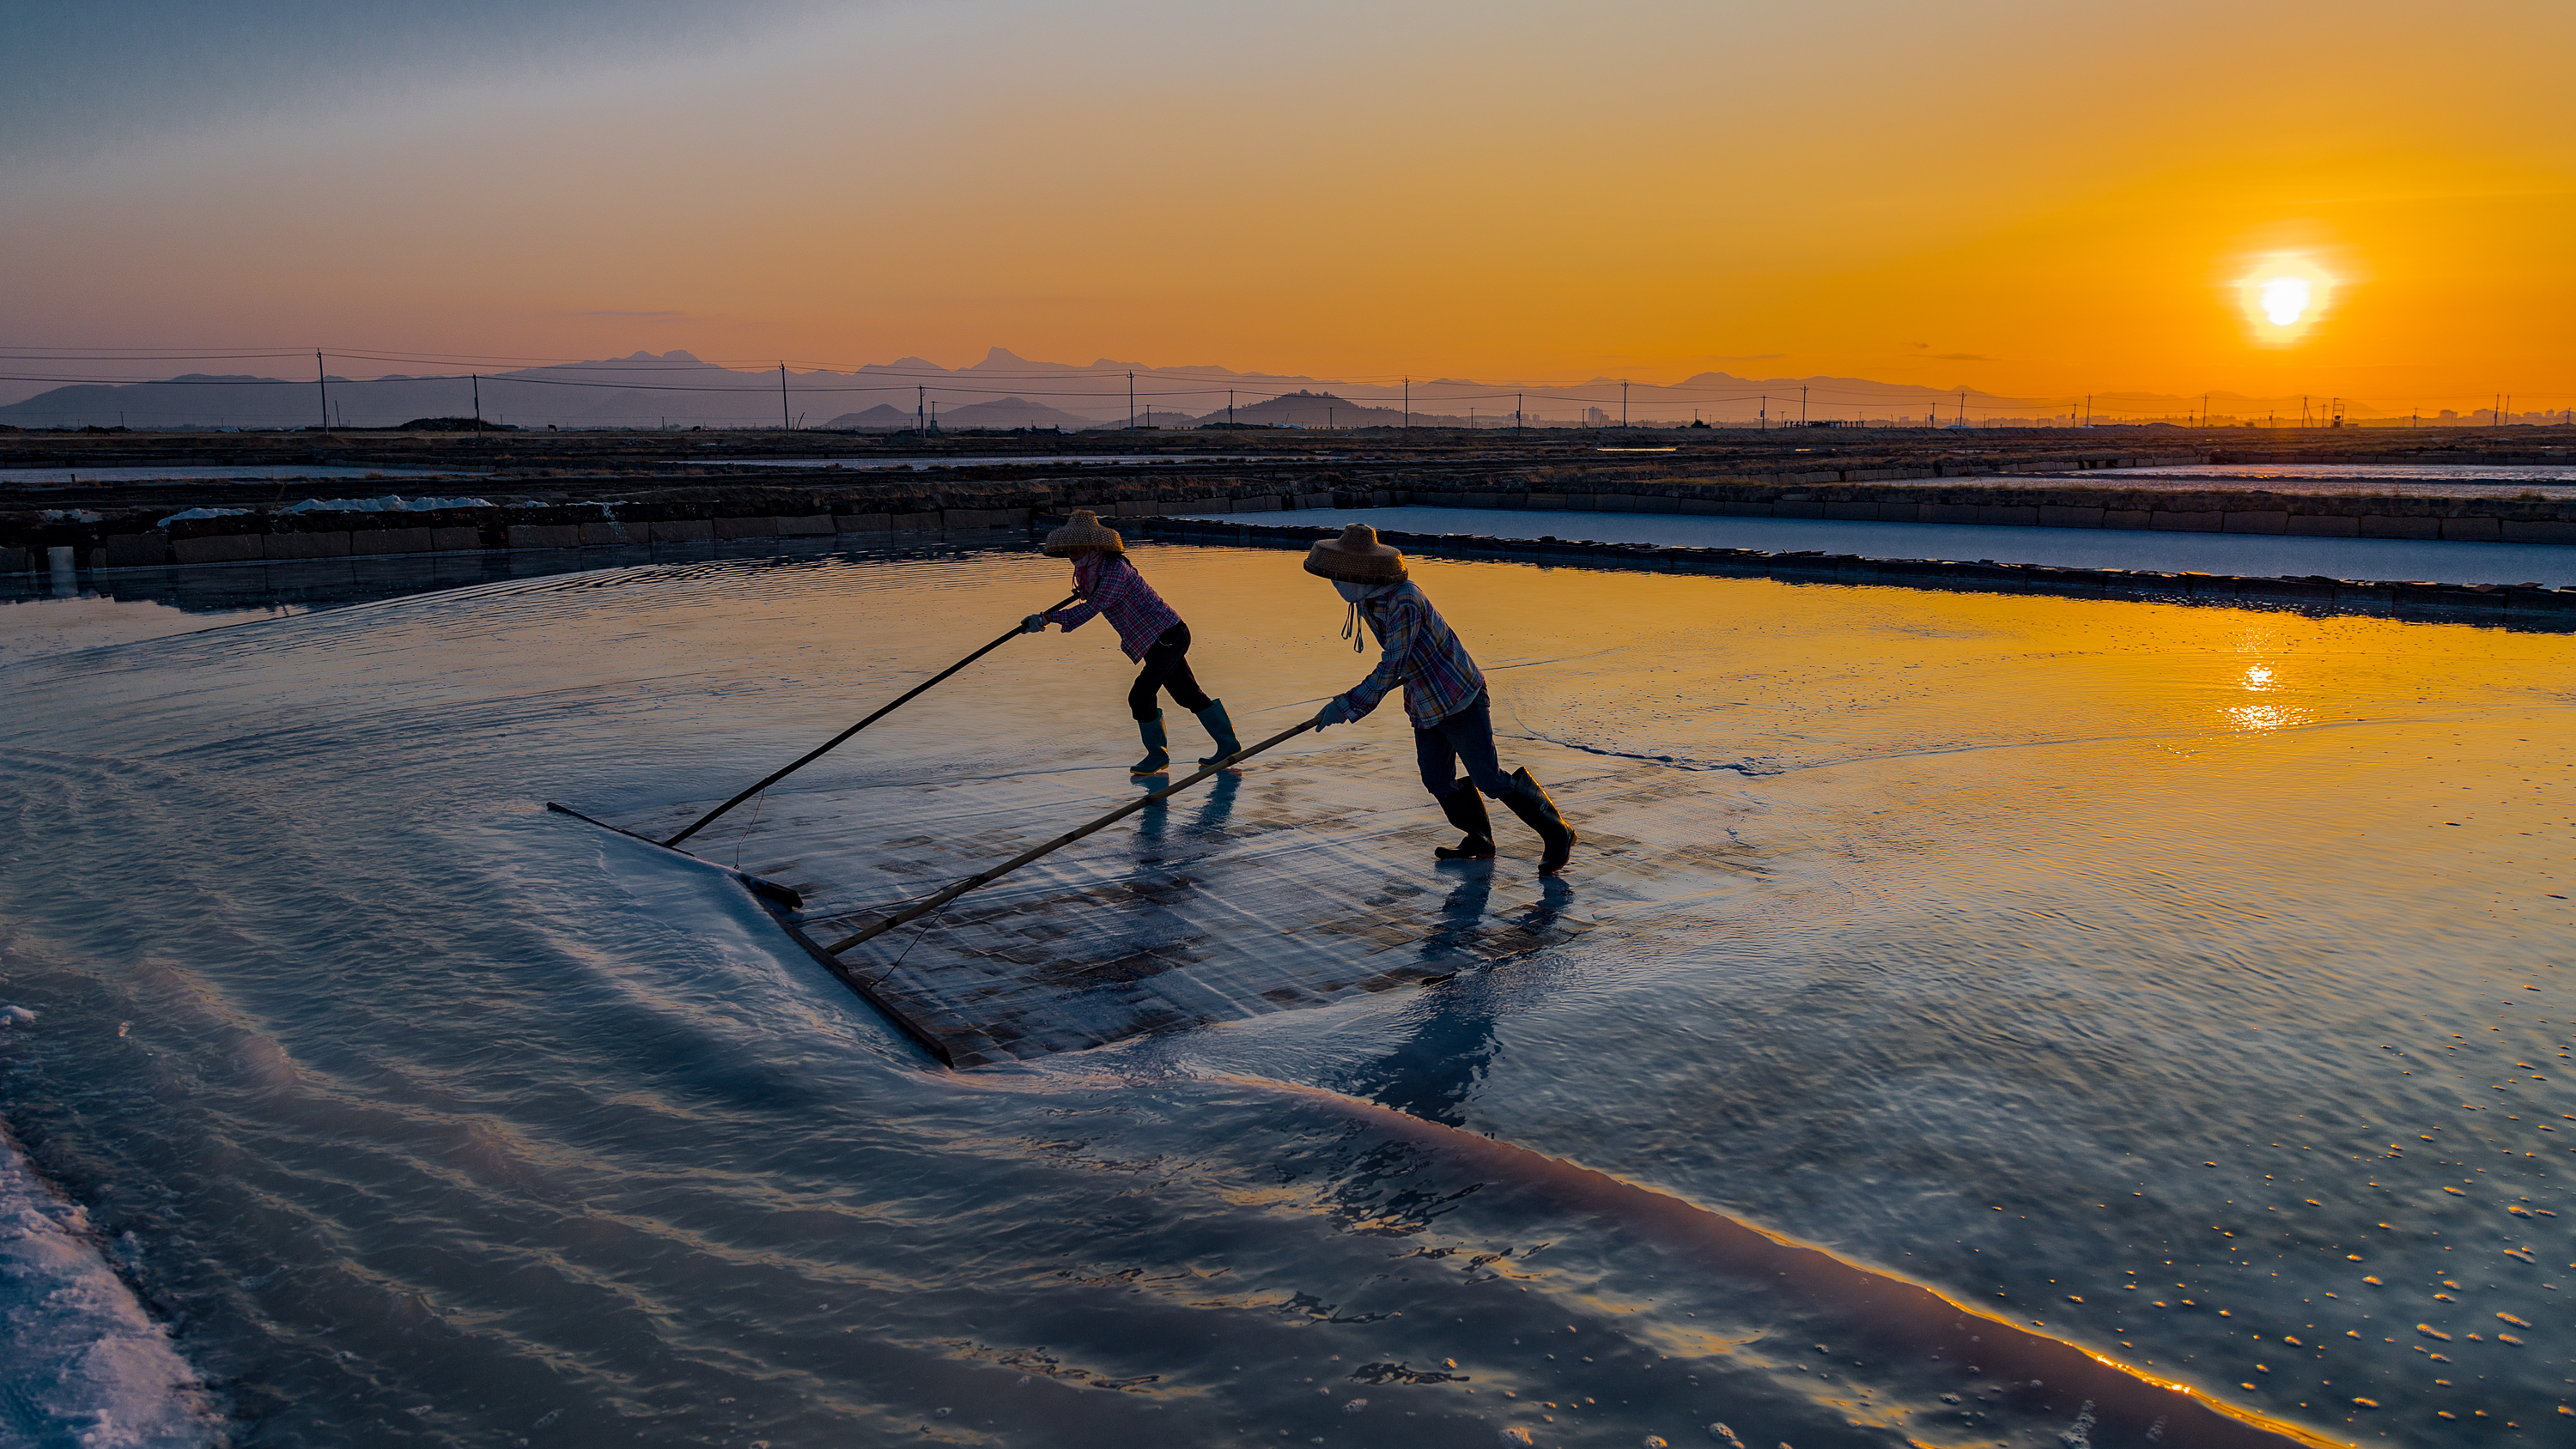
{"type": "Point", "coordinates": [1298, 882]}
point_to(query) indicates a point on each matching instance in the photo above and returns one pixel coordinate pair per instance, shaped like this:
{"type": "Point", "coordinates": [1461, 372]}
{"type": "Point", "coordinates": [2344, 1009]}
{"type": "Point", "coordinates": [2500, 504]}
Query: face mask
{"type": "Point", "coordinates": [1351, 629]}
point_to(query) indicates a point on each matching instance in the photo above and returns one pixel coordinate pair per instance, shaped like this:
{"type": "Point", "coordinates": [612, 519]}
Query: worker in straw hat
{"type": "Point", "coordinates": [1444, 695]}
{"type": "Point", "coordinates": [1148, 632]}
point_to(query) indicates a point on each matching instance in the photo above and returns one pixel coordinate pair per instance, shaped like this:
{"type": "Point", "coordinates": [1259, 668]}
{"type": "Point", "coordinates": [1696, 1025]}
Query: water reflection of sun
{"type": "Point", "coordinates": [2263, 718]}
{"type": "Point", "coordinates": [2261, 677]}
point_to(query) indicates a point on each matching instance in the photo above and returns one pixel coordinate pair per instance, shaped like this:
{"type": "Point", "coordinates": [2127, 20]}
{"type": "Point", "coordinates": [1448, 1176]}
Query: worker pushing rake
{"type": "Point", "coordinates": [1109, 585]}
{"type": "Point", "coordinates": [1444, 699]}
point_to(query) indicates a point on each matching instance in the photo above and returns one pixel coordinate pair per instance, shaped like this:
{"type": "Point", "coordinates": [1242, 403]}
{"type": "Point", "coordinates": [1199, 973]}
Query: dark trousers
{"type": "Point", "coordinates": [1465, 738]}
{"type": "Point", "coordinates": [1167, 667]}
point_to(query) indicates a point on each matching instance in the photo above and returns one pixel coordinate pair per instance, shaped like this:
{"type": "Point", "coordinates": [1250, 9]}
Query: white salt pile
{"type": "Point", "coordinates": [80, 1361]}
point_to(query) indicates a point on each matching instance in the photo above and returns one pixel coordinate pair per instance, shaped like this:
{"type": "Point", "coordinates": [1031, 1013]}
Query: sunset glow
{"type": "Point", "coordinates": [1475, 193]}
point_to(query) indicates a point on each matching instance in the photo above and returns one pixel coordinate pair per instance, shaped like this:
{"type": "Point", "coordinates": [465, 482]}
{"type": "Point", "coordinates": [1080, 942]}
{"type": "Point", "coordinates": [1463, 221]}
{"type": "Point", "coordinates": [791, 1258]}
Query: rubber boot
{"type": "Point", "coordinates": [1539, 813]}
{"type": "Point", "coordinates": [1465, 807]}
{"type": "Point", "coordinates": [1220, 729]}
{"type": "Point", "coordinates": [1158, 757]}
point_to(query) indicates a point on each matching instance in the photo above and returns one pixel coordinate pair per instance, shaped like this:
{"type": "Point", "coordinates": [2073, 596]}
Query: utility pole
{"type": "Point", "coordinates": [1623, 402]}
{"type": "Point", "coordinates": [920, 408]}
{"type": "Point", "coordinates": [1766, 414]}
{"type": "Point", "coordinates": [1516, 415]}
{"type": "Point", "coordinates": [783, 423]}
{"type": "Point", "coordinates": [478, 402]}
{"type": "Point", "coordinates": [1802, 407]}
{"type": "Point", "coordinates": [1131, 402]}
{"type": "Point", "coordinates": [325, 389]}
{"type": "Point", "coordinates": [1229, 407]}
{"type": "Point", "coordinates": [1408, 405]}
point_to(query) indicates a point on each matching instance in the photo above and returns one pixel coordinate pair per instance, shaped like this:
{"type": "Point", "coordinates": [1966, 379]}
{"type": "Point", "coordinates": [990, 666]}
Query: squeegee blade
{"type": "Point", "coordinates": [787, 896]}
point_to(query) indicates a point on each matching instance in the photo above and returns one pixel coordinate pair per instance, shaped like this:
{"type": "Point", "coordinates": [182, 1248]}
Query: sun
{"type": "Point", "coordinates": [2284, 296]}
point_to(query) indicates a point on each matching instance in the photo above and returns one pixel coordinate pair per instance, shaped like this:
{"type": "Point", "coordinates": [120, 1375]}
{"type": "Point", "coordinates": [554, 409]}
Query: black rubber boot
{"type": "Point", "coordinates": [1465, 807]}
{"type": "Point", "coordinates": [1220, 730]}
{"type": "Point", "coordinates": [1539, 813]}
{"type": "Point", "coordinates": [1158, 755]}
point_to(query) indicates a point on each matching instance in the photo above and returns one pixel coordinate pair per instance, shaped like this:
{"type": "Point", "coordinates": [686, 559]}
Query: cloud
{"type": "Point", "coordinates": [1965, 357]}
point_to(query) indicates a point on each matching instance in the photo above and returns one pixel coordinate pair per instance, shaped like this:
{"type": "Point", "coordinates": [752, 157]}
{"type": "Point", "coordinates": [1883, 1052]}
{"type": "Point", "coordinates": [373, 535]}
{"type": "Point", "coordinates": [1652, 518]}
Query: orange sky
{"type": "Point", "coordinates": [2006, 196]}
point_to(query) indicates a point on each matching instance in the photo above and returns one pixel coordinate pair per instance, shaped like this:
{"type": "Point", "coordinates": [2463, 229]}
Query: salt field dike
{"type": "Point", "coordinates": [2029, 937]}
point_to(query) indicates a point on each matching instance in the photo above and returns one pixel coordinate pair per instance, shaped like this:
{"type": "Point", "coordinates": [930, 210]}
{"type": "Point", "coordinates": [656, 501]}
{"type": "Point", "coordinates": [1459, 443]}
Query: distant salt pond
{"type": "Point", "coordinates": [2188, 984]}
{"type": "Point", "coordinates": [874, 462]}
{"type": "Point", "coordinates": [192, 472]}
{"type": "Point", "coordinates": [2259, 555]}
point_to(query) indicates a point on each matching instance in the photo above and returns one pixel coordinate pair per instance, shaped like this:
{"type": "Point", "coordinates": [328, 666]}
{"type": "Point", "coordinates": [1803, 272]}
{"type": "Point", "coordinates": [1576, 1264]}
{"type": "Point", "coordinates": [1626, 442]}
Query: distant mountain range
{"type": "Point", "coordinates": [678, 390]}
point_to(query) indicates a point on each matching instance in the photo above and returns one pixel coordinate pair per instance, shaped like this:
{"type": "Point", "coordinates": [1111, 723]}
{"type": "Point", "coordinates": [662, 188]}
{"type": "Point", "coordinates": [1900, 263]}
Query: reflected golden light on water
{"type": "Point", "coordinates": [2262, 718]}
{"type": "Point", "coordinates": [2259, 679]}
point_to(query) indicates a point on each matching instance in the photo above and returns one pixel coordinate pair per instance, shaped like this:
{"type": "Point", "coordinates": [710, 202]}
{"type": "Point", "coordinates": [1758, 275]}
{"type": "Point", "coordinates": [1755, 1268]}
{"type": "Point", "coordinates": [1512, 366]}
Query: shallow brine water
{"type": "Point", "coordinates": [2185, 983]}
{"type": "Point", "coordinates": [234, 472]}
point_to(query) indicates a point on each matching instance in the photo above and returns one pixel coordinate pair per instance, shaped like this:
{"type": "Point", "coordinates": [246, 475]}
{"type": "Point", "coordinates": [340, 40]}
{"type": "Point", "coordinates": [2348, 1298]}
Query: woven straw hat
{"type": "Point", "coordinates": [1356, 558]}
{"type": "Point", "coordinates": [1083, 531]}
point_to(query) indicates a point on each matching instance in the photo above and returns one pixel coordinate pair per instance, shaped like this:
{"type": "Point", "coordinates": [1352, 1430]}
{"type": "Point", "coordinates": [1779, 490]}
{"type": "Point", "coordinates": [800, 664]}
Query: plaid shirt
{"type": "Point", "coordinates": [1115, 588]}
{"type": "Point", "coordinates": [1422, 654]}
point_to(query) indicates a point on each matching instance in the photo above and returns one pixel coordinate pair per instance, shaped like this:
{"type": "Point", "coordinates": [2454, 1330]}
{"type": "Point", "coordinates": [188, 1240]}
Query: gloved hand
{"type": "Point", "coordinates": [1033, 624]}
{"type": "Point", "coordinates": [1332, 714]}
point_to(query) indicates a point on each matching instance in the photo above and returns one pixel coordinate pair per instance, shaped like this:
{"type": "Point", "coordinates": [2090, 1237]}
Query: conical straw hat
{"type": "Point", "coordinates": [1356, 558]}
{"type": "Point", "coordinates": [1083, 531]}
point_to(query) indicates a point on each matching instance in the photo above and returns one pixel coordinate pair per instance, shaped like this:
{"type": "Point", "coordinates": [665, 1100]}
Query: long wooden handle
{"type": "Point", "coordinates": [913, 913]}
{"type": "Point", "coordinates": [829, 745]}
